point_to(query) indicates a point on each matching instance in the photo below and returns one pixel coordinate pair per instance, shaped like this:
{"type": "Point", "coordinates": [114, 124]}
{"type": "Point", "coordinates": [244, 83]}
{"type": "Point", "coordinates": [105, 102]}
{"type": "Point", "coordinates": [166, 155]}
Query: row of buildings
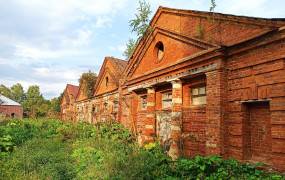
{"type": "Point", "coordinates": [104, 104]}
{"type": "Point", "coordinates": [200, 83]}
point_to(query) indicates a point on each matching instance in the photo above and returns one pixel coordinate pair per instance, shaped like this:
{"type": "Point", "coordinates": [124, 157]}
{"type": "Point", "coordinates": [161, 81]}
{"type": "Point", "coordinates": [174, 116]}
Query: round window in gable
{"type": "Point", "coordinates": [159, 51]}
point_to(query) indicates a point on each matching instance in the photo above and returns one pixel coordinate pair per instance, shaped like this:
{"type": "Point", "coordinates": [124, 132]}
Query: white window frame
{"type": "Point", "coordinates": [166, 100]}
{"type": "Point", "coordinates": [143, 102]}
{"type": "Point", "coordinates": [198, 95]}
{"type": "Point", "coordinates": [116, 106]}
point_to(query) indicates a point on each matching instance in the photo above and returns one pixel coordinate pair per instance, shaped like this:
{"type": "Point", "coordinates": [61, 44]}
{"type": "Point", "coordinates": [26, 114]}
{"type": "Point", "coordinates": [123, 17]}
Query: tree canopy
{"type": "Point", "coordinates": [88, 80]}
{"type": "Point", "coordinates": [139, 25]}
{"type": "Point", "coordinates": [33, 102]}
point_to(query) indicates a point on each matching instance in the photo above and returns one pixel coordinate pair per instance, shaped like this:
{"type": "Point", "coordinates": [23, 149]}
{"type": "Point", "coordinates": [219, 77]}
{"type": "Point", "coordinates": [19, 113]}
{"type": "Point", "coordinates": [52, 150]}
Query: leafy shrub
{"type": "Point", "coordinates": [39, 158]}
{"type": "Point", "coordinates": [6, 143]}
{"type": "Point", "coordinates": [50, 149]}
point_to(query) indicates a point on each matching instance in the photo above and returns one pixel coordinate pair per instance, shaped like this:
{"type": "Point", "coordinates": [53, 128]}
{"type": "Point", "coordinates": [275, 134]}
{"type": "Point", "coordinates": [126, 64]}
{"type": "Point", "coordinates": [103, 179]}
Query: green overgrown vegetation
{"type": "Point", "coordinates": [50, 149]}
{"type": "Point", "coordinates": [88, 80]}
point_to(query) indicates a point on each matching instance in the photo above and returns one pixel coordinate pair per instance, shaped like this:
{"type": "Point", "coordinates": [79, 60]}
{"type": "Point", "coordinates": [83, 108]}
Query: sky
{"type": "Point", "coordinates": [49, 43]}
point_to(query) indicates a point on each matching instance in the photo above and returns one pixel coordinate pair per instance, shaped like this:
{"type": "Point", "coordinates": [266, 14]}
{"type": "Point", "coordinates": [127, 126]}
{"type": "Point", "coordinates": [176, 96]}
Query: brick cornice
{"type": "Point", "coordinates": [266, 22]}
{"type": "Point", "coordinates": [257, 41]}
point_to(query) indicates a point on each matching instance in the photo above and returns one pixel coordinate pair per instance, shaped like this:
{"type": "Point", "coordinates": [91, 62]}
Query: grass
{"type": "Point", "coordinates": [50, 149]}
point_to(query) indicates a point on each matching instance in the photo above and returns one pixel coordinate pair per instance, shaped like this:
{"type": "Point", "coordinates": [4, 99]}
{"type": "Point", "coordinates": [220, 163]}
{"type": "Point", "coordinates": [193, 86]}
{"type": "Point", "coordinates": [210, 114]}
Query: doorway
{"type": "Point", "coordinates": [258, 132]}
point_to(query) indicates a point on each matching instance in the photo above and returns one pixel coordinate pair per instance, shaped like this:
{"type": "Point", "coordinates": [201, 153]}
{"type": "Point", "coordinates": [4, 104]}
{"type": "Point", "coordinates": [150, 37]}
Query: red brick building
{"type": "Point", "coordinates": [103, 105]}
{"type": "Point", "coordinates": [67, 105]}
{"type": "Point", "coordinates": [83, 105]}
{"type": "Point", "coordinates": [10, 108]}
{"type": "Point", "coordinates": [204, 83]}
{"type": "Point", "coordinates": [106, 91]}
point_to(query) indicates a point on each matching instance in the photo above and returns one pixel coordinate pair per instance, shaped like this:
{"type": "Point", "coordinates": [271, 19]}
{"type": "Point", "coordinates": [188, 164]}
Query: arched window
{"type": "Point", "coordinates": [159, 51]}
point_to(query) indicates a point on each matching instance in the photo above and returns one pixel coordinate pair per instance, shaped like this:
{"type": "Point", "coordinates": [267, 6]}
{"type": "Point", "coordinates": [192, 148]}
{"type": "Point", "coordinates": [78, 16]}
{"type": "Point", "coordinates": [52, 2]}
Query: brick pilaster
{"type": "Point", "coordinates": [176, 120]}
{"type": "Point", "coordinates": [214, 112]}
{"type": "Point", "coordinates": [149, 124]}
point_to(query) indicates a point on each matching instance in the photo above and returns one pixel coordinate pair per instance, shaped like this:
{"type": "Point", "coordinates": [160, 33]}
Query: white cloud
{"type": "Point", "coordinates": [242, 7]}
{"type": "Point", "coordinates": [103, 22]}
{"type": "Point", "coordinates": [29, 54]}
{"type": "Point", "coordinates": [51, 80]}
{"type": "Point", "coordinates": [58, 73]}
{"type": "Point", "coordinates": [119, 48]}
{"type": "Point", "coordinates": [51, 42]}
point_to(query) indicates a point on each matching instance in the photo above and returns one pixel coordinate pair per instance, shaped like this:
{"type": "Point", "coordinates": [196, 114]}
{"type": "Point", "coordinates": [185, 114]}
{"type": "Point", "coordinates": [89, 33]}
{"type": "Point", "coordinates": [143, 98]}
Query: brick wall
{"type": "Point", "coordinates": [9, 110]}
{"type": "Point", "coordinates": [256, 75]}
{"type": "Point", "coordinates": [239, 78]}
{"type": "Point", "coordinates": [194, 122]}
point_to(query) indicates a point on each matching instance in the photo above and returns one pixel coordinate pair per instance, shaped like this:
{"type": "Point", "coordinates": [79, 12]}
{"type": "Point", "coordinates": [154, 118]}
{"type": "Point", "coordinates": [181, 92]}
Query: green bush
{"type": "Point", "coordinates": [39, 158]}
{"type": "Point", "coordinates": [51, 149]}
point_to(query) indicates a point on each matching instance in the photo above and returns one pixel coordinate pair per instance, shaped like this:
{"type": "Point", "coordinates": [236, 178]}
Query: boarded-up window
{"type": "Point", "coordinates": [116, 106]}
{"type": "Point", "coordinates": [96, 110]}
{"type": "Point", "coordinates": [198, 95]}
{"type": "Point", "coordinates": [167, 100]}
{"type": "Point", "coordinates": [143, 102]}
{"type": "Point", "coordinates": [105, 106]}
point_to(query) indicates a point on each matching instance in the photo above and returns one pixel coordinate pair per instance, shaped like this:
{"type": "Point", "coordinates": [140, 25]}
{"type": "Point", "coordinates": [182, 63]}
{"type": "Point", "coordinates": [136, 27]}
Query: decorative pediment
{"type": "Point", "coordinates": [186, 32]}
{"type": "Point", "coordinates": [109, 75]}
{"type": "Point", "coordinates": [107, 82]}
{"type": "Point", "coordinates": [164, 48]}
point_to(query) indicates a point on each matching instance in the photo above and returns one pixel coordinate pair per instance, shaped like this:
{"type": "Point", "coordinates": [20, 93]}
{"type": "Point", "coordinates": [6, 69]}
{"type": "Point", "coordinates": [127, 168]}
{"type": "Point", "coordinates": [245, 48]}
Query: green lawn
{"type": "Point", "coordinates": [50, 149]}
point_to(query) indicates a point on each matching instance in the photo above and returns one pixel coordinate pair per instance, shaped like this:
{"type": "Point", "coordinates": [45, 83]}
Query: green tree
{"type": "Point", "coordinates": [18, 93]}
{"type": "Point", "coordinates": [213, 5]}
{"type": "Point", "coordinates": [55, 104]}
{"type": "Point", "coordinates": [139, 25]}
{"type": "Point", "coordinates": [33, 101]}
{"type": "Point", "coordinates": [5, 91]}
{"type": "Point", "coordinates": [88, 80]}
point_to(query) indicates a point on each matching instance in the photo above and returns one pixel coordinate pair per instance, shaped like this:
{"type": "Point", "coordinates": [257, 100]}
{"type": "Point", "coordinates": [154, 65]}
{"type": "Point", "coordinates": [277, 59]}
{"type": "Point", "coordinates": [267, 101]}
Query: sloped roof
{"type": "Point", "coordinates": [72, 89]}
{"type": "Point", "coordinates": [4, 101]}
{"type": "Point", "coordinates": [118, 65]}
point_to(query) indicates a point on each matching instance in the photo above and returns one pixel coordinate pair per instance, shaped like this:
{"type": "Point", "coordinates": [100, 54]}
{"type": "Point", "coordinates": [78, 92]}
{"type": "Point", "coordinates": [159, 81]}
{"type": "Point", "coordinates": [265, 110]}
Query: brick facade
{"type": "Point", "coordinates": [67, 105]}
{"type": "Point", "coordinates": [7, 111]}
{"type": "Point", "coordinates": [203, 83]}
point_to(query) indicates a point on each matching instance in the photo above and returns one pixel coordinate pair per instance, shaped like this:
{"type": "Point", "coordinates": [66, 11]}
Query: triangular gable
{"type": "Point", "coordinates": [110, 71]}
{"type": "Point", "coordinates": [215, 28]}
{"type": "Point", "coordinates": [176, 47]}
{"type": "Point", "coordinates": [81, 95]}
{"type": "Point", "coordinates": [223, 29]}
{"type": "Point", "coordinates": [70, 90]}
{"type": "Point", "coordinates": [65, 97]}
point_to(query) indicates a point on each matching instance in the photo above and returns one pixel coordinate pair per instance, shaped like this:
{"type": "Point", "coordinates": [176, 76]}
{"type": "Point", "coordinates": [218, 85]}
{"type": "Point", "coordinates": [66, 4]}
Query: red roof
{"type": "Point", "coordinates": [118, 64]}
{"type": "Point", "coordinates": [72, 89]}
